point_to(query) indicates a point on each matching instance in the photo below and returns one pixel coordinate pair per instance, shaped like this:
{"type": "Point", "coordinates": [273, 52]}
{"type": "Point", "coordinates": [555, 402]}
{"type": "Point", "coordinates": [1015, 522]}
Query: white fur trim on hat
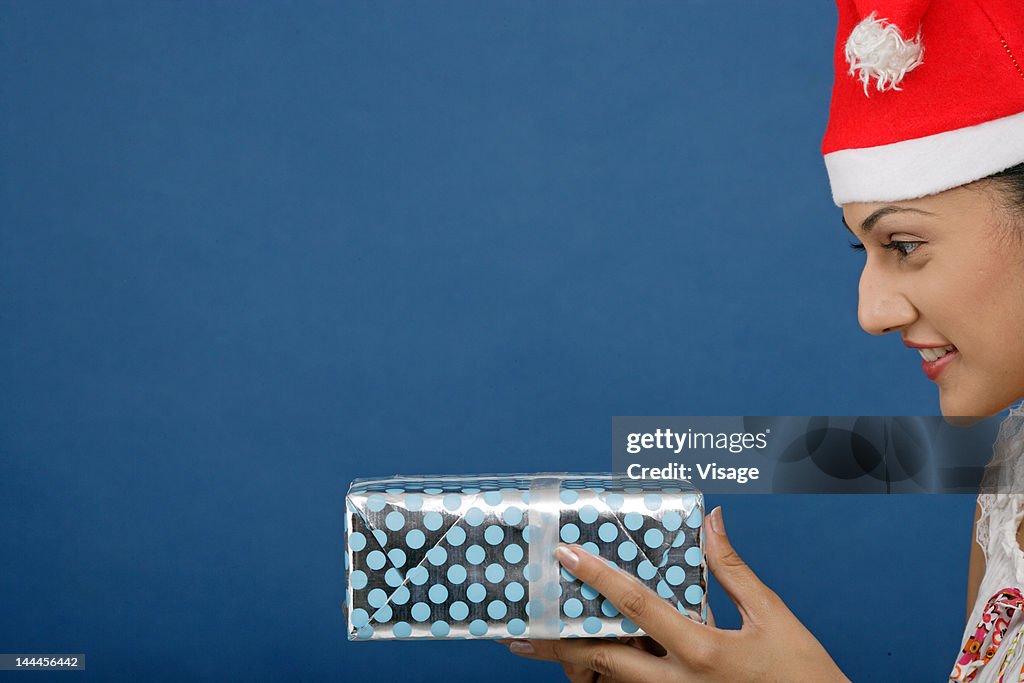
{"type": "Point", "coordinates": [877, 50]}
{"type": "Point", "coordinates": [924, 166]}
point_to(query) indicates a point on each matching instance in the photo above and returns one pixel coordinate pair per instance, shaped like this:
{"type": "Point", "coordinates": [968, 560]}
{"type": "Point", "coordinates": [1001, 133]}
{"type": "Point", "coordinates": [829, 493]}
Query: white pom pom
{"type": "Point", "coordinates": [877, 50]}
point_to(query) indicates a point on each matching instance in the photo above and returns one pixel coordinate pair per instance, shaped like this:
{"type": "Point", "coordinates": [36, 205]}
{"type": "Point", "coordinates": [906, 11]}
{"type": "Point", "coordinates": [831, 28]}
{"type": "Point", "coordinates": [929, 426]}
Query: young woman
{"type": "Point", "coordinates": [925, 155]}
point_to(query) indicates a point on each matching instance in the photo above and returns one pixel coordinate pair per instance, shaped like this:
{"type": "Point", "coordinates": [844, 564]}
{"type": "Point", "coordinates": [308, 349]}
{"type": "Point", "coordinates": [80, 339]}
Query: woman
{"type": "Point", "coordinates": [925, 155]}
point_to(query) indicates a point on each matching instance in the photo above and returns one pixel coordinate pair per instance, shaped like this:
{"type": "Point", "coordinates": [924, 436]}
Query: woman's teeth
{"type": "Point", "coordinates": [936, 352]}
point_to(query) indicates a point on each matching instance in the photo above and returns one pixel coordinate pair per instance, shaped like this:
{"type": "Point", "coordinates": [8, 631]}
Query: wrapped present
{"type": "Point", "coordinates": [473, 556]}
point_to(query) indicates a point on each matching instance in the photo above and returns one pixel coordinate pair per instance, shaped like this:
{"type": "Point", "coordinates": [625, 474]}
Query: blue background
{"type": "Point", "coordinates": [251, 251]}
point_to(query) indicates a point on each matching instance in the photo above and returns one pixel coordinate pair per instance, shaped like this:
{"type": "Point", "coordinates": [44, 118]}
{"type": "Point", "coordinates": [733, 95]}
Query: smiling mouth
{"type": "Point", "coordinates": [933, 354]}
{"type": "Point", "coordinates": [934, 359]}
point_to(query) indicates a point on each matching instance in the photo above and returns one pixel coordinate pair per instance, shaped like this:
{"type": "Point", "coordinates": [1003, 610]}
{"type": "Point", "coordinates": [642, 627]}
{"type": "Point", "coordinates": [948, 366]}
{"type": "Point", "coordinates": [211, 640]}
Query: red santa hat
{"type": "Point", "coordinates": [928, 95]}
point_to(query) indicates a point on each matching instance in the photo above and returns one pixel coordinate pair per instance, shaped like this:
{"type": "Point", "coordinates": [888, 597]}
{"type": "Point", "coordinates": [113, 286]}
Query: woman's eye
{"type": "Point", "coordinates": [903, 247]}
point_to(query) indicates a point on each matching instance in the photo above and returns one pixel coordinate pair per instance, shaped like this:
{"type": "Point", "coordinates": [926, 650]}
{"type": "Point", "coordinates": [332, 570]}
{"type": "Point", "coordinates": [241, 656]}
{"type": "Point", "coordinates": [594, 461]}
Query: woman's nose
{"type": "Point", "coordinates": [882, 307]}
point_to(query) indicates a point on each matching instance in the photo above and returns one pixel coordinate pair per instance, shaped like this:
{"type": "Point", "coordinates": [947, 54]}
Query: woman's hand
{"type": "Point", "coordinates": [772, 645]}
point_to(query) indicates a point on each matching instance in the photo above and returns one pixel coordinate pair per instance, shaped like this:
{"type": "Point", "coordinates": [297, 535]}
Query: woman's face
{"type": "Point", "coordinates": [948, 271]}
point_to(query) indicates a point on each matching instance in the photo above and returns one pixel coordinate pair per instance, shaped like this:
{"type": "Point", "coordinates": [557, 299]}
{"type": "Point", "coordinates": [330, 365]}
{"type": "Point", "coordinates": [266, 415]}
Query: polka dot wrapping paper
{"type": "Point", "coordinates": [471, 556]}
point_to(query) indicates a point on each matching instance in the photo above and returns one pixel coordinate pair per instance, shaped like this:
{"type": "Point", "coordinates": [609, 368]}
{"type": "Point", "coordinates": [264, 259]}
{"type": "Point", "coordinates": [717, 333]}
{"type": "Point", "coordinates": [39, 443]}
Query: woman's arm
{"type": "Point", "coordinates": [976, 568]}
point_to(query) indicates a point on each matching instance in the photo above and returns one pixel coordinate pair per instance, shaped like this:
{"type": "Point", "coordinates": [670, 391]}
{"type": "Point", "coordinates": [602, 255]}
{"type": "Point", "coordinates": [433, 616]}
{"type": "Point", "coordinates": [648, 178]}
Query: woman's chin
{"type": "Point", "coordinates": [956, 406]}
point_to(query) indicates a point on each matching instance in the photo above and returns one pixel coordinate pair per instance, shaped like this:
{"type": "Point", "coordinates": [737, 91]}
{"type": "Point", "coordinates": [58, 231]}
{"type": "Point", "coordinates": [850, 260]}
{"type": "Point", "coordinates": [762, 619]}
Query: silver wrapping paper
{"type": "Point", "coordinates": [471, 556]}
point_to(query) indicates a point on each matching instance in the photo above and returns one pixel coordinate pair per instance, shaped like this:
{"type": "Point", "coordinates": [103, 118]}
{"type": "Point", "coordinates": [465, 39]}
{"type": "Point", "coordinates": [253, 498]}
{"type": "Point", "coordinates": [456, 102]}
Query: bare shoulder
{"type": "Point", "coordinates": [976, 568]}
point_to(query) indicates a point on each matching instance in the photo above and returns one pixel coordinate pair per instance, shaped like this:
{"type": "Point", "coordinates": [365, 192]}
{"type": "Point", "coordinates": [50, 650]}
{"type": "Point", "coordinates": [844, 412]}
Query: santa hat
{"type": "Point", "coordinates": [928, 95]}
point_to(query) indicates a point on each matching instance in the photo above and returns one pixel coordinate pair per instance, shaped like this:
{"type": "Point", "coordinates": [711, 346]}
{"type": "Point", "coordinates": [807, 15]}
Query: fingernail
{"type": "Point", "coordinates": [717, 523]}
{"type": "Point", "coordinates": [567, 557]}
{"type": "Point", "coordinates": [521, 647]}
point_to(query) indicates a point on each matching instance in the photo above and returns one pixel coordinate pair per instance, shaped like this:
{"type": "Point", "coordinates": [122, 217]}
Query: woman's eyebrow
{"type": "Point", "coordinates": [878, 215]}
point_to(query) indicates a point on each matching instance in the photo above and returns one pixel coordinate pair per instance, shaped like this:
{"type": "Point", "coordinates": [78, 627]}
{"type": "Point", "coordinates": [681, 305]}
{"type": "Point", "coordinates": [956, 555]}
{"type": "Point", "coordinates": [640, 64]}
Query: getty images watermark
{"type": "Point", "coordinates": [816, 454]}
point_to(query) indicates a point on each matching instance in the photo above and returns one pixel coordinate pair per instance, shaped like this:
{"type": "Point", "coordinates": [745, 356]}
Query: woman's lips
{"type": "Point", "coordinates": [933, 368]}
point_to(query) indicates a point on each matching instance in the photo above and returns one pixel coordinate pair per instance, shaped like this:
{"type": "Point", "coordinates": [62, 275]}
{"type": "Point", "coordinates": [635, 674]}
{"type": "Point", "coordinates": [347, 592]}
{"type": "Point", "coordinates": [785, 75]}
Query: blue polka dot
{"type": "Point", "coordinates": [629, 627]}
{"type": "Point", "coordinates": [456, 574]}
{"type": "Point", "coordinates": [570, 533]}
{"type": "Point", "coordinates": [476, 592]}
{"type": "Point", "coordinates": [591, 548]}
{"type": "Point", "coordinates": [568, 496]}
{"type": "Point", "coordinates": [458, 610]}
{"type": "Point", "coordinates": [671, 520]}
{"type": "Point", "coordinates": [512, 516]}
{"type": "Point", "coordinates": [693, 594]}
{"type": "Point", "coordinates": [493, 497]}
{"type": "Point", "coordinates": [478, 628]}
{"type": "Point", "coordinates": [437, 555]}
{"type": "Point", "coordinates": [614, 500]}
{"type": "Point", "coordinates": [572, 608]}
{"type": "Point", "coordinates": [675, 575]}
{"type": "Point", "coordinates": [401, 595]}
{"type": "Point", "coordinates": [456, 536]}
{"type": "Point", "coordinates": [418, 575]}
{"type": "Point", "coordinates": [359, 617]}
{"type": "Point", "coordinates": [375, 560]}
{"type": "Point", "coordinates": [393, 578]}
{"type": "Point", "coordinates": [645, 570]}
{"type": "Point", "coordinates": [452, 502]}
{"type": "Point", "coordinates": [474, 516]}
{"type": "Point", "coordinates": [365, 632]}
{"type": "Point", "coordinates": [382, 538]}
{"type": "Point", "coordinates": [653, 538]}
{"type": "Point", "coordinates": [633, 520]}
{"type": "Point", "coordinates": [415, 539]}
{"type": "Point", "coordinates": [397, 557]}
{"type": "Point", "coordinates": [357, 579]}
{"type": "Point", "coordinates": [496, 609]}
{"type": "Point", "coordinates": [494, 534]}
{"type": "Point", "coordinates": [395, 490]}
{"type": "Point", "coordinates": [375, 502]}
{"type": "Point", "coordinates": [420, 611]}
{"type": "Point", "coordinates": [437, 593]}
{"type": "Point", "coordinates": [402, 629]}
{"type": "Point", "coordinates": [608, 609]}
{"type": "Point", "coordinates": [608, 532]}
{"type": "Point", "coordinates": [439, 629]}
{"type": "Point", "coordinates": [470, 490]}
{"type": "Point", "coordinates": [695, 518]}
{"type": "Point", "coordinates": [693, 556]}
{"type": "Point", "coordinates": [516, 627]}
{"type": "Point", "coordinates": [495, 573]}
{"type": "Point", "coordinates": [531, 572]}
{"type": "Point", "coordinates": [664, 590]}
{"type": "Point", "coordinates": [356, 541]}
{"type": "Point", "coordinates": [527, 531]}
{"type": "Point", "coordinates": [414, 502]}
{"type": "Point", "coordinates": [514, 591]}
{"type": "Point", "coordinates": [652, 501]}
{"type": "Point", "coordinates": [592, 625]}
{"type": "Point", "coordinates": [432, 491]}
{"type": "Point", "coordinates": [552, 590]}
{"type": "Point", "coordinates": [588, 514]}
{"type": "Point", "coordinates": [433, 520]}
{"type": "Point", "coordinates": [475, 554]}
{"type": "Point", "coordinates": [627, 551]}
{"type": "Point", "coordinates": [588, 591]}
{"type": "Point", "coordinates": [679, 539]}
{"type": "Point", "coordinates": [394, 521]}
{"type": "Point", "coordinates": [513, 554]}
{"type": "Point", "coordinates": [384, 614]}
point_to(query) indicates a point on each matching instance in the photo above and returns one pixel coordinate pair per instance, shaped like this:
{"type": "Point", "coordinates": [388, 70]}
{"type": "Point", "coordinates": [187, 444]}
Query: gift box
{"type": "Point", "coordinates": [472, 556]}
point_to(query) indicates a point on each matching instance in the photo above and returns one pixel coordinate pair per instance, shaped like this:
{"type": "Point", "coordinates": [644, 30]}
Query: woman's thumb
{"type": "Point", "coordinates": [755, 601]}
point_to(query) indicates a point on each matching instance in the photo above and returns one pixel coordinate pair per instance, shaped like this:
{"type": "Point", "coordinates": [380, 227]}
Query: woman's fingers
{"type": "Point", "coordinates": [605, 657]}
{"type": "Point", "coordinates": [637, 602]}
{"type": "Point", "coordinates": [755, 601]}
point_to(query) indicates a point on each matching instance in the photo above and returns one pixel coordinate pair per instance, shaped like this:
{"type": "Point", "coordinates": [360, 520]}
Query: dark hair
{"type": "Point", "coordinates": [1011, 181]}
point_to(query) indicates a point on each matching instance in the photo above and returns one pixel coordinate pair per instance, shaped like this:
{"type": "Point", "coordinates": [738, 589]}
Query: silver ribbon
{"type": "Point", "coordinates": [544, 592]}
